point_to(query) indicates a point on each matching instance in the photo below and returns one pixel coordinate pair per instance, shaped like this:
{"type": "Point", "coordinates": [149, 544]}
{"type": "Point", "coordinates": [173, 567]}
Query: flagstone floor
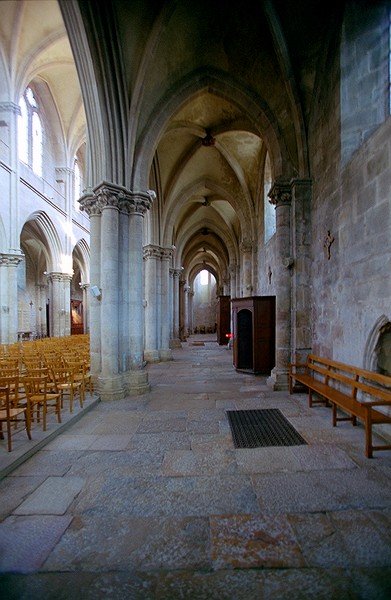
{"type": "Point", "coordinates": [147, 498]}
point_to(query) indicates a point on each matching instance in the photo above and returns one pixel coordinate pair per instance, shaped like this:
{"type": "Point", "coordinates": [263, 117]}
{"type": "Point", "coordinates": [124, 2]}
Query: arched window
{"type": "Point", "coordinates": [30, 132]}
{"type": "Point", "coordinates": [269, 209]}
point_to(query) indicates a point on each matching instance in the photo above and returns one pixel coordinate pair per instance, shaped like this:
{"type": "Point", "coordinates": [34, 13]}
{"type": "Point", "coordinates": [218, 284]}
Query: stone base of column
{"type": "Point", "coordinates": [137, 382]}
{"type": "Point", "coordinates": [110, 387]}
{"type": "Point", "coordinates": [151, 356]}
{"type": "Point", "coordinates": [165, 354]}
{"type": "Point", "coordinates": [279, 379]}
{"type": "Point", "coordinates": [175, 343]}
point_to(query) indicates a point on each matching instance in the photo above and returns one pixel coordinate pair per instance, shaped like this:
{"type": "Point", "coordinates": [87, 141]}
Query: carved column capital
{"type": "Point", "coordinates": [11, 260]}
{"type": "Point", "coordinates": [151, 251]}
{"type": "Point", "coordinates": [168, 253]}
{"type": "Point", "coordinates": [280, 193]}
{"type": "Point", "coordinates": [10, 107]}
{"type": "Point", "coordinates": [58, 276]}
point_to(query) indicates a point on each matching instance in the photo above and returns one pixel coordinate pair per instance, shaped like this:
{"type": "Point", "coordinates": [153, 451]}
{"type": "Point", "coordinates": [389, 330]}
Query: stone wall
{"type": "Point", "coordinates": [351, 199]}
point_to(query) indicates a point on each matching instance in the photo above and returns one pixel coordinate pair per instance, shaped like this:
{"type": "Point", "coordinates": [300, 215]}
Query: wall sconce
{"type": "Point", "coordinates": [95, 291]}
{"type": "Point", "coordinates": [5, 309]}
{"type": "Point", "coordinates": [31, 304]}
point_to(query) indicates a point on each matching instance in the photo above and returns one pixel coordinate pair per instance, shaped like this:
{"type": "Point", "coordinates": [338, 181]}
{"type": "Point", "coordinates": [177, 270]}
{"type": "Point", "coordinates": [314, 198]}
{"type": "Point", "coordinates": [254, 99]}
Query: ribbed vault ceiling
{"type": "Point", "coordinates": [208, 158]}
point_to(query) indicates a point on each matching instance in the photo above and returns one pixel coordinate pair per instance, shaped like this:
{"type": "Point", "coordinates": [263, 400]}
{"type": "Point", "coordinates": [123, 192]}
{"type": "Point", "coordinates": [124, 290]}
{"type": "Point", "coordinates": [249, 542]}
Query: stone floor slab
{"type": "Point", "coordinates": [125, 544]}
{"type": "Point", "coordinates": [52, 497]}
{"type": "Point", "coordinates": [254, 541]}
{"type": "Point", "coordinates": [26, 541]}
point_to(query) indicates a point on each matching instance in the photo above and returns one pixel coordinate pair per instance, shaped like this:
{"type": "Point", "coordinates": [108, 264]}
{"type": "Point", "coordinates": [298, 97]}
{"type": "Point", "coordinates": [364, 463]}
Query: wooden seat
{"type": "Point", "coordinates": [362, 394]}
{"type": "Point", "coordinates": [67, 382]}
{"type": "Point", "coordinates": [40, 394]}
{"type": "Point", "coordinates": [11, 416]}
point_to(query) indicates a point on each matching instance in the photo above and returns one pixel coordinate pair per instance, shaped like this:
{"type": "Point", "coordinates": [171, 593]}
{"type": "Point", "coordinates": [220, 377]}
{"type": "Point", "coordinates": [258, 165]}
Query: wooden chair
{"type": "Point", "coordinates": [40, 394]}
{"type": "Point", "coordinates": [67, 382]}
{"type": "Point", "coordinates": [11, 415]}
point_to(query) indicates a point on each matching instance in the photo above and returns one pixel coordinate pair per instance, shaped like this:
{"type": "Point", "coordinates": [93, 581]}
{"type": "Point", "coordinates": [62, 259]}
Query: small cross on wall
{"type": "Point", "coordinates": [328, 240]}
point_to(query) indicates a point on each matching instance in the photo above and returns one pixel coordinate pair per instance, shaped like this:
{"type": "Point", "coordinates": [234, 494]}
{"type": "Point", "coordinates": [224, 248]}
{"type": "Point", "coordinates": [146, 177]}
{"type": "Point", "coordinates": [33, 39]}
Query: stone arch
{"type": "Point", "coordinates": [372, 345]}
{"type": "Point", "coordinates": [81, 254]}
{"type": "Point", "coordinates": [42, 230]}
{"type": "Point", "coordinates": [219, 84]}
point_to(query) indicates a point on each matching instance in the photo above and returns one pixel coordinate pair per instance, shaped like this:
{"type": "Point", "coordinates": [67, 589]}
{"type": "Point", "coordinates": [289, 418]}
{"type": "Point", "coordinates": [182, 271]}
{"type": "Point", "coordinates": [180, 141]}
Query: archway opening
{"type": "Point", "coordinates": [204, 303]}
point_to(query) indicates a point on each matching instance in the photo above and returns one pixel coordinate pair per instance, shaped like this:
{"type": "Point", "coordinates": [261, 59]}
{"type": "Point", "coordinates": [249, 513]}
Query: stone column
{"type": "Point", "coordinates": [138, 204]}
{"type": "Point", "coordinates": [186, 290]}
{"type": "Point", "coordinates": [280, 196]}
{"type": "Point", "coordinates": [246, 251]}
{"type": "Point", "coordinates": [176, 275]}
{"type": "Point", "coordinates": [152, 256]}
{"type": "Point", "coordinates": [86, 307]}
{"type": "Point", "coordinates": [9, 113]}
{"type": "Point", "coordinates": [8, 298]}
{"type": "Point", "coordinates": [301, 274]}
{"type": "Point", "coordinates": [190, 322]}
{"type": "Point", "coordinates": [166, 314]}
{"type": "Point", "coordinates": [182, 310]}
{"type": "Point", "coordinates": [60, 303]}
{"type": "Point", "coordinates": [65, 176]}
{"type": "Point", "coordinates": [90, 205]}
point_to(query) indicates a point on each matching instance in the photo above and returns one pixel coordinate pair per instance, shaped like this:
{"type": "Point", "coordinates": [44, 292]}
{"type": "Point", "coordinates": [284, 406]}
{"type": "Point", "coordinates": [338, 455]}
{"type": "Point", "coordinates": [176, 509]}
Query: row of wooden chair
{"type": "Point", "coordinates": [35, 378]}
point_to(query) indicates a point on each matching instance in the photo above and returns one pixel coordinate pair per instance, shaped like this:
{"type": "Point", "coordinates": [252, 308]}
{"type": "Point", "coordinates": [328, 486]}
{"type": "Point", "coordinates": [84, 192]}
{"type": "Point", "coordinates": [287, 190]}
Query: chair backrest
{"type": "Point", "coordinates": [35, 385]}
{"type": "Point", "coordinates": [4, 398]}
{"type": "Point", "coordinates": [12, 382]}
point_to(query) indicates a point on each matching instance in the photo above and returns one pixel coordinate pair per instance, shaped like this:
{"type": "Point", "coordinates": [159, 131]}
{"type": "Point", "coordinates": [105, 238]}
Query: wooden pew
{"type": "Point", "coordinates": [362, 394]}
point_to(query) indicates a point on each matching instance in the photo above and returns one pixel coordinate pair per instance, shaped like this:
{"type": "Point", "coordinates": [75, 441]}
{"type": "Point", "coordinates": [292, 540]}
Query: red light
{"type": "Point", "coordinates": [230, 335]}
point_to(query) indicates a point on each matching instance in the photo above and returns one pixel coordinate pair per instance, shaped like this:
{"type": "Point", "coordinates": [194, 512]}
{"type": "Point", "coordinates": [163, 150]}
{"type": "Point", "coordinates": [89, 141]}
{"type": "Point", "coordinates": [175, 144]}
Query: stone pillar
{"type": "Point", "coordinates": [138, 204]}
{"type": "Point", "coordinates": [65, 176]}
{"type": "Point", "coordinates": [166, 313]}
{"type": "Point", "coordinates": [280, 196]}
{"type": "Point", "coordinates": [190, 321]}
{"type": "Point", "coordinates": [8, 298]}
{"type": "Point", "coordinates": [86, 307]}
{"type": "Point", "coordinates": [246, 251]}
{"type": "Point", "coordinates": [152, 255]}
{"type": "Point", "coordinates": [90, 205]}
{"type": "Point", "coordinates": [176, 275]}
{"type": "Point", "coordinates": [182, 310]}
{"type": "Point", "coordinates": [60, 303]}
{"type": "Point", "coordinates": [301, 274]}
{"type": "Point", "coordinates": [116, 232]}
{"type": "Point", "coordinates": [9, 113]}
{"type": "Point", "coordinates": [186, 290]}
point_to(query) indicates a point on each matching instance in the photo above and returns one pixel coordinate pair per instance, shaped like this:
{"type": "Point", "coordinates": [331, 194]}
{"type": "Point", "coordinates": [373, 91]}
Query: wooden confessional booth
{"type": "Point", "coordinates": [254, 334]}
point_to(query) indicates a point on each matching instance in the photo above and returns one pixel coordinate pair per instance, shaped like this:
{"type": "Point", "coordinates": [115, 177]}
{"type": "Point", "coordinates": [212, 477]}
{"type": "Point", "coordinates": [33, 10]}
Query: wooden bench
{"type": "Point", "coordinates": [362, 394]}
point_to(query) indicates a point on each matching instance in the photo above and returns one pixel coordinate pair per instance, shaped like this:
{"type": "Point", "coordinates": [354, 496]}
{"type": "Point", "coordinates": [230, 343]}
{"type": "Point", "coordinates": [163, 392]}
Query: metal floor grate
{"type": "Point", "coordinates": [261, 428]}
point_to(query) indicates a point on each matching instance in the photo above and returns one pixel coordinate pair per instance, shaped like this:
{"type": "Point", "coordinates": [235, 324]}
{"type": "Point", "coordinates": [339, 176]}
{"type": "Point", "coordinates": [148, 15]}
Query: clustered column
{"type": "Point", "coordinates": [117, 273]}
